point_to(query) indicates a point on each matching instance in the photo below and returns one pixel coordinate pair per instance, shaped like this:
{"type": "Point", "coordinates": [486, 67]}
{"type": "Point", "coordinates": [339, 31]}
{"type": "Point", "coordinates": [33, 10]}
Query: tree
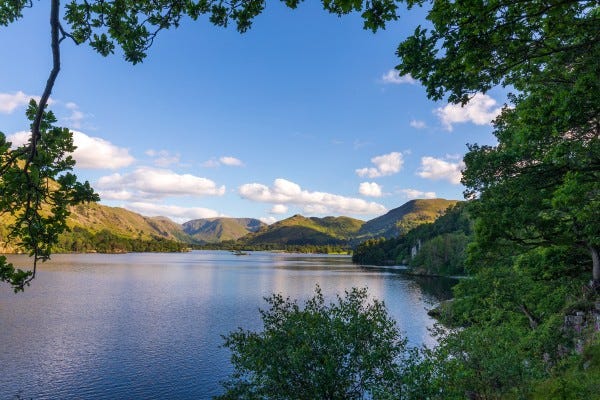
{"type": "Point", "coordinates": [350, 349]}
{"type": "Point", "coordinates": [473, 46]}
{"type": "Point", "coordinates": [132, 26]}
{"type": "Point", "coordinates": [535, 194]}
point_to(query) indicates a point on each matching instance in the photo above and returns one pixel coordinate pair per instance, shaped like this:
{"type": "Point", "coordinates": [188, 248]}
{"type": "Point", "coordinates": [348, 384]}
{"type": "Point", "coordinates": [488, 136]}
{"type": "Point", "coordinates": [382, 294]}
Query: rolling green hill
{"type": "Point", "coordinates": [119, 221]}
{"type": "Point", "coordinates": [214, 230]}
{"type": "Point", "coordinates": [404, 218]}
{"type": "Point", "coordinates": [299, 230]}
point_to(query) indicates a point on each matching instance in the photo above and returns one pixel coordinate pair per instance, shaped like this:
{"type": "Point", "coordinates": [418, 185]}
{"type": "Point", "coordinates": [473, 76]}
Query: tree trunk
{"type": "Point", "coordinates": [595, 266]}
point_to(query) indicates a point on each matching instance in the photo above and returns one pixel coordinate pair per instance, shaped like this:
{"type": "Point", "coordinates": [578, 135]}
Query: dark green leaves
{"type": "Point", "coordinates": [11, 10]}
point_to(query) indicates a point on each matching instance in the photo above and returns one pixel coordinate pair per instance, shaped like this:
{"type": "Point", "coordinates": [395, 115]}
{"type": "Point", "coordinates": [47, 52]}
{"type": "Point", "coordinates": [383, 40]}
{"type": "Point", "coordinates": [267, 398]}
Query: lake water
{"type": "Point", "coordinates": [149, 326]}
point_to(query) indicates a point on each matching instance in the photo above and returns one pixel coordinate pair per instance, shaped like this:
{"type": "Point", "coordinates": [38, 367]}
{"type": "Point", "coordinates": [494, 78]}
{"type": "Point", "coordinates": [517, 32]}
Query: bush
{"type": "Point", "coordinates": [350, 349]}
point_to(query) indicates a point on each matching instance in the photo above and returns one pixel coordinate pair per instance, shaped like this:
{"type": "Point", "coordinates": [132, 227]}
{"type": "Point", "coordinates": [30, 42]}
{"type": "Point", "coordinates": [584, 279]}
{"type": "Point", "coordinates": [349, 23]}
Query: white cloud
{"type": "Point", "coordinates": [268, 220]}
{"type": "Point", "coordinates": [91, 152]}
{"type": "Point", "coordinates": [18, 139]}
{"type": "Point", "coordinates": [163, 158]}
{"type": "Point", "coordinates": [176, 213]}
{"type": "Point", "coordinates": [231, 161]}
{"type": "Point", "coordinates": [146, 182]}
{"type": "Point", "coordinates": [480, 110]}
{"type": "Point", "coordinates": [417, 194]}
{"type": "Point", "coordinates": [225, 160]}
{"type": "Point", "coordinates": [97, 153]}
{"type": "Point", "coordinates": [10, 102]}
{"type": "Point", "coordinates": [286, 192]}
{"type": "Point", "coordinates": [418, 124]}
{"type": "Point", "coordinates": [371, 189]}
{"type": "Point", "coordinates": [436, 169]}
{"type": "Point", "coordinates": [386, 164]}
{"type": "Point", "coordinates": [279, 209]}
{"type": "Point", "coordinates": [393, 76]}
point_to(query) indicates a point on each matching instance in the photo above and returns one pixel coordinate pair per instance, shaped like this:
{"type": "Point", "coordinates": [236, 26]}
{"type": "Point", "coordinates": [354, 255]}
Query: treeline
{"type": "Point", "coordinates": [437, 248]}
{"type": "Point", "coordinates": [79, 240]}
{"type": "Point", "coordinates": [289, 248]}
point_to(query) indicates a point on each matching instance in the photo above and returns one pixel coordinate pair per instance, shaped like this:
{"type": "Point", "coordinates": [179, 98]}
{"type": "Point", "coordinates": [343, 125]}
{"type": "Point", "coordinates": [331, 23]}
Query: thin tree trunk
{"type": "Point", "coordinates": [595, 266]}
{"type": "Point", "coordinates": [55, 44]}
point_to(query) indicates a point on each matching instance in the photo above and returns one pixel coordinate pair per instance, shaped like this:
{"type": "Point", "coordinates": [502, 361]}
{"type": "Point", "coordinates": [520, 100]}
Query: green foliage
{"type": "Point", "coordinates": [474, 46]}
{"type": "Point", "coordinates": [442, 255]}
{"type": "Point", "coordinates": [440, 245]}
{"type": "Point", "coordinates": [80, 240]}
{"type": "Point", "coordinates": [349, 349]}
{"type": "Point", "coordinates": [576, 377]}
{"type": "Point", "coordinates": [36, 190]}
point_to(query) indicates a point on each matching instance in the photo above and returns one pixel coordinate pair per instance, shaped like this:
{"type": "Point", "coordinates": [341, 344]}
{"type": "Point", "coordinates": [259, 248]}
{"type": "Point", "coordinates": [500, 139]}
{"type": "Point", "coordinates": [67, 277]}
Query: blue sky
{"type": "Point", "coordinates": [301, 114]}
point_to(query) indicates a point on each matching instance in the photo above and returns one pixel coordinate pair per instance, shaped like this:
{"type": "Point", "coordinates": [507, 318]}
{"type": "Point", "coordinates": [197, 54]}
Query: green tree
{"type": "Point", "coordinates": [350, 349]}
{"type": "Point", "coordinates": [36, 189]}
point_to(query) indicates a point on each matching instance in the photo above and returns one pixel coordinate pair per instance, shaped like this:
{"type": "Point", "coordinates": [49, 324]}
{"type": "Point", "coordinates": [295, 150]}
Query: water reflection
{"type": "Point", "coordinates": [150, 325]}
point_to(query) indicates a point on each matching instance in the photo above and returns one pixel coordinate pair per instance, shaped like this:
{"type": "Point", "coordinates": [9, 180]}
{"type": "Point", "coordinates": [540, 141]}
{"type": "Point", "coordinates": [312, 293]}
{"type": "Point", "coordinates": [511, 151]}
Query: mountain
{"type": "Point", "coordinates": [214, 230]}
{"type": "Point", "coordinates": [402, 219]}
{"type": "Point", "coordinates": [103, 228]}
{"type": "Point", "coordinates": [300, 230]}
{"type": "Point", "coordinates": [95, 217]}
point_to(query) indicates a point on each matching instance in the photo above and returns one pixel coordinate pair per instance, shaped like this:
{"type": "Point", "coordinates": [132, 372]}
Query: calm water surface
{"type": "Point", "coordinates": [96, 326]}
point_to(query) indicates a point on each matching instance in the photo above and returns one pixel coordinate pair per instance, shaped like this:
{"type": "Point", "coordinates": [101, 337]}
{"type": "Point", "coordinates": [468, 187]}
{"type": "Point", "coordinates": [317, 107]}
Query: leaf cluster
{"type": "Point", "coordinates": [349, 349]}
{"type": "Point", "coordinates": [36, 189]}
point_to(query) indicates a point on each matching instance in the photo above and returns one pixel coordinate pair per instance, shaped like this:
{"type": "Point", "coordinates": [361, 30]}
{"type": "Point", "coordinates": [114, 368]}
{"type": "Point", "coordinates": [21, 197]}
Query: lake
{"type": "Point", "coordinates": [149, 325]}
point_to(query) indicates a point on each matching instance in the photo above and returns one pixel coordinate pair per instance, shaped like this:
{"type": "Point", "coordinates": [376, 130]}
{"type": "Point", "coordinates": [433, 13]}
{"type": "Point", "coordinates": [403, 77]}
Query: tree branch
{"type": "Point", "coordinates": [55, 44]}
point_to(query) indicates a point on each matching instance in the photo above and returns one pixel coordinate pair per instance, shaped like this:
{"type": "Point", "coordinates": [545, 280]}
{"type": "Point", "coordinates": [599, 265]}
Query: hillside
{"type": "Point", "coordinates": [95, 227]}
{"type": "Point", "coordinates": [436, 248]}
{"type": "Point", "coordinates": [404, 218]}
{"type": "Point", "coordinates": [119, 221]}
{"type": "Point", "coordinates": [214, 230]}
{"type": "Point", "coordinates": [300, 230]}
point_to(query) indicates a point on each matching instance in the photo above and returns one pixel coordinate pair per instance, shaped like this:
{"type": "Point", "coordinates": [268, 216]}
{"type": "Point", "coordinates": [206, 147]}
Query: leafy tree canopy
{"type": "Point", "coordinates": [349, 349]}
{"type": "Point", "coordinates": [473, 46]}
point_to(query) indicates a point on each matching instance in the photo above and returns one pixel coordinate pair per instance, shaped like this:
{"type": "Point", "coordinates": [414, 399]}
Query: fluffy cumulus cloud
{"type": "Point", "coordinates": [9, 102]}
{"type": "Point", "coordinates": [91, 152]}
{"type": "Point", "coordinates": [176, 213]}
{"type": "Point", "coordinates": [393, 77]}
{"type": "Point", "coordinates": [448, 169]}
{"type": "Point", "coordinates": [146, 182]}
{"type": "Point", "coordinates": [417, 194]}
{"type": "Point", "coordinates": [284, 192]}
{"type": "Point", "coordinates": [279, 209]}
{"type": "Point", "coordinates": [386, 164]}
{"type": "Point", "coordinates": [371, 189]}
{"type": "Point", "coordinates": [480, 110]}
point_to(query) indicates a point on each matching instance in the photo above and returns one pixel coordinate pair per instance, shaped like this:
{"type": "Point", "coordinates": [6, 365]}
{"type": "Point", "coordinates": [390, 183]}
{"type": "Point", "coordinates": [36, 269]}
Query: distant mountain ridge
{"type": "Point", "coordinates": [294, 231]}
{"type": "Point", "coordinates": [214, 230]}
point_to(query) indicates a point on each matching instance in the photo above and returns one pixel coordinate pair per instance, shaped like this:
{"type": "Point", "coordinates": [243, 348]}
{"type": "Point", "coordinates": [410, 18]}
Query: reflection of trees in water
{"type": "Point", "coordinates": [434, 286]}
